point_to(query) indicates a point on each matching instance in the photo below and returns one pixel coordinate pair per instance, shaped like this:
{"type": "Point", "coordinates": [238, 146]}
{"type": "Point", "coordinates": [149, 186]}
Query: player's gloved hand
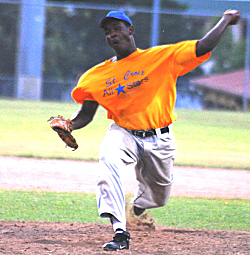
{"type": "Point", "coordinates": [63, 127]}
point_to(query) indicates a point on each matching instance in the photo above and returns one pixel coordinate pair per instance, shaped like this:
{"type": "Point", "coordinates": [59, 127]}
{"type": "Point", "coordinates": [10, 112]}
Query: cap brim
{"type": "Point", "coordinates": [103, 20]}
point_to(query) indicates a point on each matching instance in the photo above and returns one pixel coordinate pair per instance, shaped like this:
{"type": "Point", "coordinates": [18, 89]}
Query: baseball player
{"type": "Point", "coordinates": [138, 89]}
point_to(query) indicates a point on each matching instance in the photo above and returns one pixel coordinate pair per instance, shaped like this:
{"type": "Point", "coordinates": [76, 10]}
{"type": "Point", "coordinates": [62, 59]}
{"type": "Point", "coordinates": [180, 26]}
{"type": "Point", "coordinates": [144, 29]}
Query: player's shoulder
{"type": "Point", "coordinates": [98, 66]}
{"type": "Point", "coordinates": [158, 49]}
{"type": "Point", "coordinates": [171, 46]}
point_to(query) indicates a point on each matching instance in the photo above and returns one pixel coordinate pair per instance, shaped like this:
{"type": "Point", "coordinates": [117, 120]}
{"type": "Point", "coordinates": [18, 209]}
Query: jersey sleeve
{"type": "Point", "coordinates": [80, 92]}
{"type": "Point", "coordinates": [185, 57]}
{"type": "Point", "coordinates": [89, 83]}
{"type": "Point", "coordinates": [80, 96]}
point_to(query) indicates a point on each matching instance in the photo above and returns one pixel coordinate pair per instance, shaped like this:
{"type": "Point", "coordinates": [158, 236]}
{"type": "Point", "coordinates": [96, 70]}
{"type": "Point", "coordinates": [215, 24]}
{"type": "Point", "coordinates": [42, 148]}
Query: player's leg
{"type": "Point", "coordinates": [117, 151]}
{"type": "Point", "coordinates": [156, 174]}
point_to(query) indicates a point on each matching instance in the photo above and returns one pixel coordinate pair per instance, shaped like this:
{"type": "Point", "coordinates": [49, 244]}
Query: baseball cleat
{"type": "Point", "coordinates": [120, 241]}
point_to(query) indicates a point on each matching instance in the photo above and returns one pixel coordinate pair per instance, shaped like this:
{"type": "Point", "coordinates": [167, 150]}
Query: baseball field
{"type": "Point", "coordinates": [66, 222]}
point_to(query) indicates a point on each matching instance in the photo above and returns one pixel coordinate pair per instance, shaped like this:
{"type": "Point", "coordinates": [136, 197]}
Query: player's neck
{"type": "Point", "coordinates": [119, 57]}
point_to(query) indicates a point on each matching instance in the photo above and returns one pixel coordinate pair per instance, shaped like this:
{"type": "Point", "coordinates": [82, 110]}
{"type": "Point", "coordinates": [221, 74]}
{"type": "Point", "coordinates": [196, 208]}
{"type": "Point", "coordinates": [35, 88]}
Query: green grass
{"type": "Point", "coordinates": [24, 131]}
{"type": "Point", "coordinates": [205, 213]}
{"type": "Point", "coordinates": [198, 213]}
{"type": "Point", "coordinates": [213, 139]}
{"type": "Point", "coordinates": [48, 207]}
{"type": "Point", "coordinates": [204, 138]}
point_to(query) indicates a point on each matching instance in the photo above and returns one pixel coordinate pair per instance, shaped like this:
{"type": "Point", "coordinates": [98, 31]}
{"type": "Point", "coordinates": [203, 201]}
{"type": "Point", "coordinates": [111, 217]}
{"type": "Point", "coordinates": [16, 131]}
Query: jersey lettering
{"type": "Point", "coordinates": [134, 84]}
{"type": "Point", "coordinates": [108, 92]}
{"type": "Point", "coordinates": [109, 82]}
{"type": "Point", "coordinates": [129, 74]}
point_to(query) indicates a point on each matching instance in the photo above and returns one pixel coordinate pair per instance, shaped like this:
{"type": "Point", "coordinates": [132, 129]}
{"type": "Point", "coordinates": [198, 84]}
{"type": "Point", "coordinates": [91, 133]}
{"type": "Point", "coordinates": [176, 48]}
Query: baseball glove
{"type": "Point", "coordinates": [63, 127]}
{"type": "Point", "coordinates": [235, 16]}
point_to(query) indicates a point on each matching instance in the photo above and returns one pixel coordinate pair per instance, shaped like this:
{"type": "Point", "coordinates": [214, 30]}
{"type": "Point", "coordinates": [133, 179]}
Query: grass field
{"type": "Point", "coordinates": [204, 138]}
{"type": "Point", "coordinates": [198, 213]}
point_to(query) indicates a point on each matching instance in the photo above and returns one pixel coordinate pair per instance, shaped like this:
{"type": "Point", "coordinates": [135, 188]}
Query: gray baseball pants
{"type": "Point", "coordinates": [153, 159]}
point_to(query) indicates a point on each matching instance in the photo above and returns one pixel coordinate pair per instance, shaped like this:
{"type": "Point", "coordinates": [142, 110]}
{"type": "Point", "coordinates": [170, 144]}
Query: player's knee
{"type": "Point", "coordinates": [161, 198]}
{"type": "Point", "coordinates": [163, 202]}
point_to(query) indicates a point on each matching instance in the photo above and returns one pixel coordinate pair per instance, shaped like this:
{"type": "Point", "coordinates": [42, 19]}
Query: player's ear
{"type": "Point", "coordinates": [131, 30]}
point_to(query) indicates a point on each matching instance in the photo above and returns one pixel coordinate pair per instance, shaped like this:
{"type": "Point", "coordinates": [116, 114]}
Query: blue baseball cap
{"type": "Point", "coordinates": [120, 15]}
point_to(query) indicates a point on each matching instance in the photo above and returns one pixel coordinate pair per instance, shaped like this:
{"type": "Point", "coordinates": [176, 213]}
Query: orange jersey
{"type": "Point", "coordinates": [139, 91]}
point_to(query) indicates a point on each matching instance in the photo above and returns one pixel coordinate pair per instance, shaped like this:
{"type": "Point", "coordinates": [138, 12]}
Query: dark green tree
{"type": "Point", "coordinates": [74, 42]}
{"type": "Point", "coordinates": [229, 54]}
{"type": "Point", "coordinates": [8, 37]}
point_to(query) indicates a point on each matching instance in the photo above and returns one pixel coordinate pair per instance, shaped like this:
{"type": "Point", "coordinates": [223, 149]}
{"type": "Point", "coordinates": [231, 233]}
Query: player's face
{"type": "Point", "coordinates": [119, 37]}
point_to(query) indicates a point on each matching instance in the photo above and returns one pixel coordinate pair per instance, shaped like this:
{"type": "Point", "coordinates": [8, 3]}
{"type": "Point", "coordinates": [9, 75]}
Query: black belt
{"type": "Point", "coordinates": [149, 132]}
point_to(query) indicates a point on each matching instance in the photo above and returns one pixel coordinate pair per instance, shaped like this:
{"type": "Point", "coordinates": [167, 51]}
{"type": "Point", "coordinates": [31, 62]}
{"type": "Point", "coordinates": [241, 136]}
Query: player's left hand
{"type": "Point", "coordinates": [63, 127]}
{"type": "Point", "coordinates": [234, 15]}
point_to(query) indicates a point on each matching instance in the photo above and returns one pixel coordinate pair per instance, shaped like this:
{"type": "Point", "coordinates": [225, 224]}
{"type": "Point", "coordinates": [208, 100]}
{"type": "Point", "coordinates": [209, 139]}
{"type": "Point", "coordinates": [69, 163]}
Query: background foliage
{"type": "Point", "coordinates": [8, 37]}
{"type": "Point", "coordinates": [74, 42]}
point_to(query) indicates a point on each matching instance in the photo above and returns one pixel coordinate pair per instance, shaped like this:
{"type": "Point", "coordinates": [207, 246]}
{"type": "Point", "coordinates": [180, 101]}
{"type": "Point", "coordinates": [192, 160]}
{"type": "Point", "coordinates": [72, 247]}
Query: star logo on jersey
{"type": "Point", "coordinates": [120, 89]}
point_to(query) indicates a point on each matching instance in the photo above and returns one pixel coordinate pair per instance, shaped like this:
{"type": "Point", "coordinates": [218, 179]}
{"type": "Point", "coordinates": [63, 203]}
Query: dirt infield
{"type": "Point", "coordinates": [77, 238]}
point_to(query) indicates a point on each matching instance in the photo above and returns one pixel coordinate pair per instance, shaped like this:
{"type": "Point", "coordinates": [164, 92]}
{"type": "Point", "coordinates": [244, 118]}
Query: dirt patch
{"type": "Point", "coordinates": [77, 238]}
